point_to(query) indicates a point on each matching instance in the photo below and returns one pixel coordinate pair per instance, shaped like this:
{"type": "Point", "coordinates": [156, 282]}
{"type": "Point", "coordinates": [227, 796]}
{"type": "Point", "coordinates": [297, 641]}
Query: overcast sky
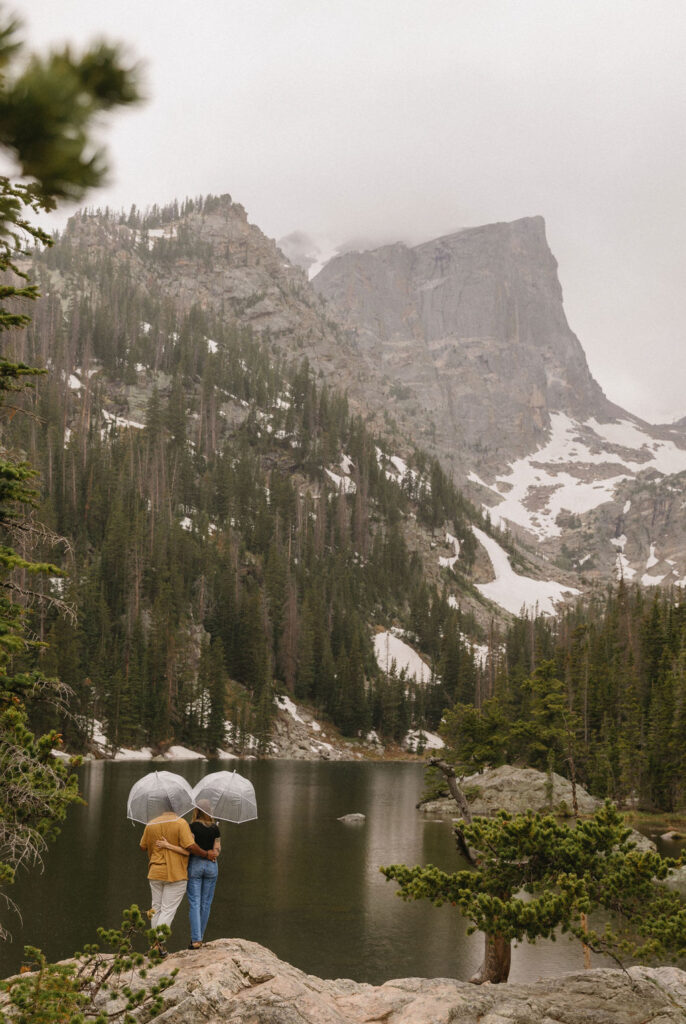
{"type": "Point", "coordinates": [408, 119]}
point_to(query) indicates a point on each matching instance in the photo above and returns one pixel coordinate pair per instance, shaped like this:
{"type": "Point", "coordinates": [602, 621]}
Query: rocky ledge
{"type": "Point", "coordinates": [233, 981]}
{"type": "Point", "coordinates": [516, 790]}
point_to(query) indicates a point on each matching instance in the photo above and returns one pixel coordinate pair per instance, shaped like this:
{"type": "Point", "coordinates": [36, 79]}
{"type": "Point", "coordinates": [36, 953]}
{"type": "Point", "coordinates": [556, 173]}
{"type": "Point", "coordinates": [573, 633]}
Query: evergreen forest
{"type": "Point", "coordinates": [230, 529]}
{"type": "Point", "coordinates": [599, 692]}
{"type": "Point", "coordinates": [213, 552]}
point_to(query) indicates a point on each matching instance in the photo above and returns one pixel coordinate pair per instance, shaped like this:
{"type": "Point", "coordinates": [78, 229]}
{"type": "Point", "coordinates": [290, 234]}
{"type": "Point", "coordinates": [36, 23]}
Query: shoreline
{"type": "Point", "coordinates": [395, 756]}
{"type": "Point", "coordinates": [351, 753]}
{"type": "Point", "coordinates": [297, 735]}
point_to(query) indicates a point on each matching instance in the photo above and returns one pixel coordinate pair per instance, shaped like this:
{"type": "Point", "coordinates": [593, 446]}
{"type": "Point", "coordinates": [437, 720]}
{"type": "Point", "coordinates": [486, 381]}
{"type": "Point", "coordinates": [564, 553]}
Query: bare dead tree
{"type": "Point", "coordinates": [460, 799]}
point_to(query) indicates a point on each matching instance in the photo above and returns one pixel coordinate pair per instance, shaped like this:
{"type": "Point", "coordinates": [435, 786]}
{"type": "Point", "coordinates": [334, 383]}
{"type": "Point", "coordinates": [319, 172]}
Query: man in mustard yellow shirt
{"type": "Point", "coordinates": [168, 870]}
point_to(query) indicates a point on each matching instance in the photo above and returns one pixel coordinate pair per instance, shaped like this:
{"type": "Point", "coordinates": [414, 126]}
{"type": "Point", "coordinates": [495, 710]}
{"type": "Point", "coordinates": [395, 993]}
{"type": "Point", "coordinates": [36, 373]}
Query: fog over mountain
{"type": "Point", "coordinates": [357, 120]}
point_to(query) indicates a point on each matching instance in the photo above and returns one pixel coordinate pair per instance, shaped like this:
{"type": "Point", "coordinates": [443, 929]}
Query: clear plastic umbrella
{"type": "Point", "coordinates": [157, 793]}
{"type": "Point", "coordinates": [227, 796]}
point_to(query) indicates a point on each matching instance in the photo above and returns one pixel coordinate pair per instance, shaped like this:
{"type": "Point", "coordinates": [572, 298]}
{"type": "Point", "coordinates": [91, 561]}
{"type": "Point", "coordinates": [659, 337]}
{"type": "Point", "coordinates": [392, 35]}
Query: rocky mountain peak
{"type": "Point", "coordinates": [460, 346]}
{"type": "Point", "coordinates": [205, 252]}
{"type": "Point", "coordinates": [472, 330]}
{"type": "Point", "coordinates": [468, 335]}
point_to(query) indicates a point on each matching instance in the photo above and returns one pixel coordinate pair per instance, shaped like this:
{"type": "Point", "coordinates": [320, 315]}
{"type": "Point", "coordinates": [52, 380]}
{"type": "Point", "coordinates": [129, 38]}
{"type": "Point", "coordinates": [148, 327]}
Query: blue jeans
{"type": "Point", "coordinates": [202, 878]}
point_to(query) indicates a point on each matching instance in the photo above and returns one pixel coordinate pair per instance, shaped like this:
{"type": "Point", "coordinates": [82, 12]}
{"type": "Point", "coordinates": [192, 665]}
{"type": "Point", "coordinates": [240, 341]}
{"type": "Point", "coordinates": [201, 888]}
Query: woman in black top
{"type": "Point", "coordinates": [202, 874]}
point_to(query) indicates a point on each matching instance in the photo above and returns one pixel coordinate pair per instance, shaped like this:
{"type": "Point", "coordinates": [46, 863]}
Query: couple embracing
{"type": "Point", "coordinates": [182, 859]}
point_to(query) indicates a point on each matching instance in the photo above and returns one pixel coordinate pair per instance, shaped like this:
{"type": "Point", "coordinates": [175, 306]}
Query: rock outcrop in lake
{"type": "Point", "coordinates": [516, 790]}
{"type": "Point", "coordinates": [241, 982]}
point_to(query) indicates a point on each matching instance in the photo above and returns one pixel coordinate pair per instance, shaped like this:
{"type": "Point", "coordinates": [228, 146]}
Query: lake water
{"type": "Point", "coordinates": [297, 880]}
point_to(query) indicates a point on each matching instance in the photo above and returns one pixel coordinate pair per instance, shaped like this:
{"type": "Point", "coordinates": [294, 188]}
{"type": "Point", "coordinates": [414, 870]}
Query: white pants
{"type": "Point", "coordinates": [166, 897]}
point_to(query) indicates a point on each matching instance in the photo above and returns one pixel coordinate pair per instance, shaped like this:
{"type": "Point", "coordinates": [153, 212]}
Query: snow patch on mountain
{"type": "Point", "coordinates": [119, 421]}
{"type": "Point", "coordinates": [392, 652]}
{"type": "Point", "coordinates": [514, 592]}
{"type": "Point", "coordinates": [577, 470]}
{"type": "Point", "coordinates": [476, 479]}
{"type": "Point", "coordinates": [651, 581]}
{"type": "Point", "coordinates": [623, 567]}
{"type": "Point", "coordinates": [286, 704]}
{"type": "Point", "coordinates": [664, 457]}
{"type": "Point", "coordinates": [342, 483]}
{"type": "Point", "coordinates": [480, 652]}
{"type": "Point", "coordinates": [168, 232]}
{"type": "Point", "coordinates": [417, 739]}
{"type": "Point", "coordinates": [449, 563]}
{"type": "Point", "coordinates": [127, 754]}
{"type": "Point", "coordinates": [177, 752]}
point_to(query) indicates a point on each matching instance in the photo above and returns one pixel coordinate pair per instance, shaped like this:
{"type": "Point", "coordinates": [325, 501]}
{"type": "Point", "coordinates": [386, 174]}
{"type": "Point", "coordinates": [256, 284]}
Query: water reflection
{"type": "Point", "coordinates": [296, 880]}
{"type": "Point", "coordinates": [91, 790]}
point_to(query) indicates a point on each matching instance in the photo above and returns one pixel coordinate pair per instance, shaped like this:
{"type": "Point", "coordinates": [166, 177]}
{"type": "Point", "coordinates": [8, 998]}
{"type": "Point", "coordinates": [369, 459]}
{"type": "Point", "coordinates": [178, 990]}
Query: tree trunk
{"type": "Point", "coordinates": [496, 963]}
{"type": "Point", "coordinates": [461, 801]}
{"type": "Point", "coordinates": [455, 791]}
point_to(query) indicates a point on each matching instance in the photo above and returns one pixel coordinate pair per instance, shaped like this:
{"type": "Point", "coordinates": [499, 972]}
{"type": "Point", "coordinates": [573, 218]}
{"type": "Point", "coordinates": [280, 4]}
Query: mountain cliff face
{"type": "Point", "coordinates": [235, 509]}
{"type": "Point", "coordinates": [208, 255]}
{"type": "Point", "coordinates": [469, 336]}
{"type": "Point", "coordinates": [471, 328]}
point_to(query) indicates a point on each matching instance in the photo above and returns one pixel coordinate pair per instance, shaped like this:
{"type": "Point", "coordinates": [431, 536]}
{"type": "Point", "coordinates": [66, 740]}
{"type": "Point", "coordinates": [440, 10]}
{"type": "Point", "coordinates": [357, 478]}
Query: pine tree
{"type": "Point", "coordinates": [216, 729]}
{"type": "Point", "coordinates": [305, 678]}
{"type": "Point", "coordinates": [47, 109]}
{"type": "Point", "coordinates": [352, 713]}
{"type": "Point", "coordinates": [534, 875]}
{"type": "Point", "coordinates": [542, 732]}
